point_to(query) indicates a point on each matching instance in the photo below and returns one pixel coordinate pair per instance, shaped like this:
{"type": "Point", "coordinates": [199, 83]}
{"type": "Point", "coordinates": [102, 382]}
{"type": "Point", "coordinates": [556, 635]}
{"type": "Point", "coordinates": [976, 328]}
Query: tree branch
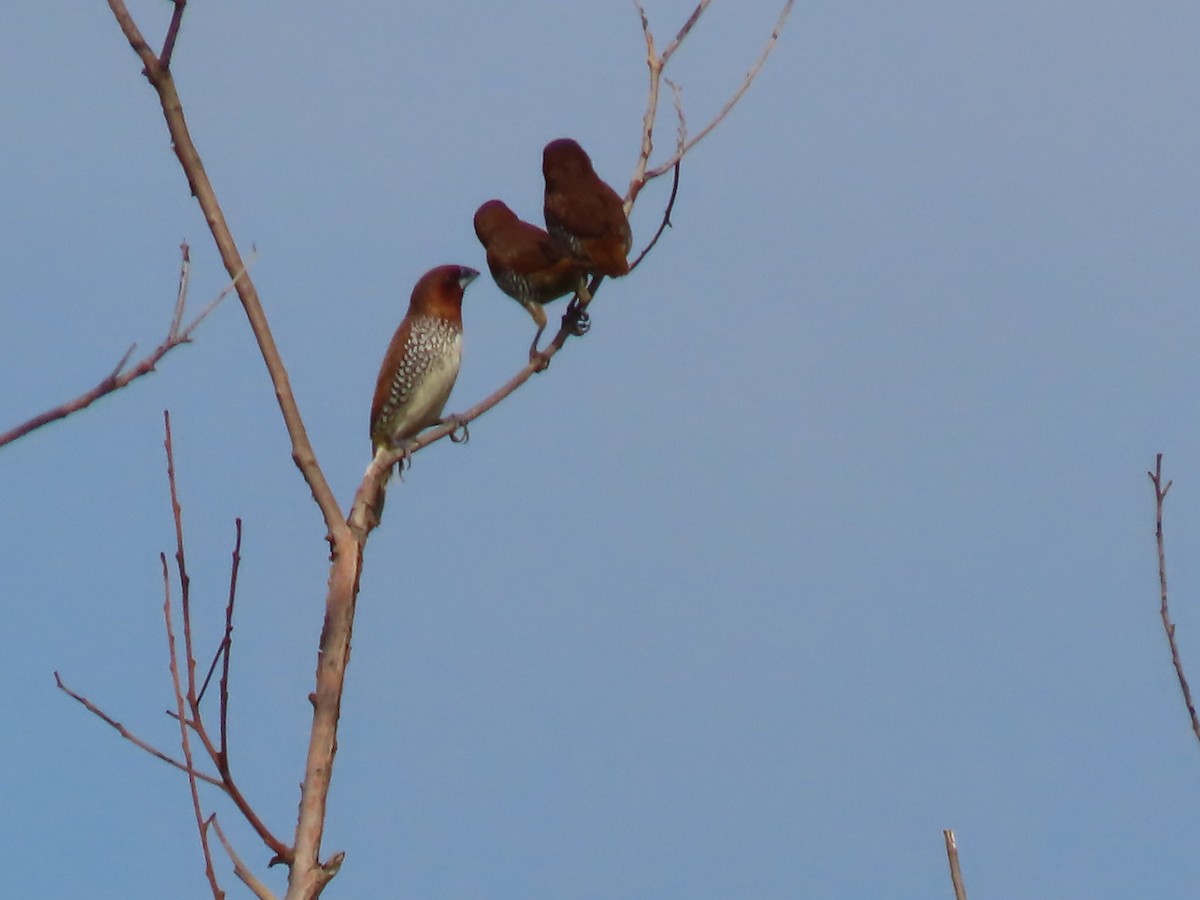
{"type": "Point", "coordinates": [172, 33]}
{"type": "Point", "coordinates": [163, 82]}
{"type": "Point", "coordinates": [184, 740]}
{"type": "Point", "coordinates": [260, 890]}
{"type": "Point", "coordinates": [129, 735]}
{"type": "Point", "coordinates": [960, 890]}
{"type": "Point", "coordinates": [666, 220]}
{"type": "Point", "coordinates": [1160, 496]}
{"type": "Point", "coordinates": [656, 64]}
{"type": "Point", "coordinates": [219, 757]}
{"type": "Point", "coordinates": [119, 377]}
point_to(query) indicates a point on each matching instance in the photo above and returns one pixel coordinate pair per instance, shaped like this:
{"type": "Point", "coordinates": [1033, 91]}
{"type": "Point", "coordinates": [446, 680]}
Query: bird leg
{"type": "Point", "coordinates": [539, 317]}
{"type": "Point", "coordinates": [576, 319]}
{"type": "Point", "coordinates": [534, 354]}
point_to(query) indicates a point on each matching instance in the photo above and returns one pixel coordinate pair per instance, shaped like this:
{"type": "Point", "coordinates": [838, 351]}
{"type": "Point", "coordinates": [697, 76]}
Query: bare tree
{"type": "Point", "coordinates": [346, 534]}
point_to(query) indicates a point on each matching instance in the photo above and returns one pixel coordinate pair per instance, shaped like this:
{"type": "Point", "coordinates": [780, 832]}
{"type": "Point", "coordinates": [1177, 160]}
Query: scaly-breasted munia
{"type": "Point", "coordinates": [583, 212]}
{"type": "Point", "coordinates": [528, 264]}
{"type": "Point", "coordinates": [422, 360]}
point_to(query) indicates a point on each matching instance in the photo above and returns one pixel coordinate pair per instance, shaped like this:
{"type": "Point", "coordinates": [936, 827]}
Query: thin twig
{"type": "Point", "coordinates": [681, 129]}
{"type": "Point", "coordinates": [222, 654]}
{"type": "Point", "coordinates": [129, 735]}
{"type": "Point", "coordinates": [184, 738]}
{"type": "Point", "coordinates": [257, 888]}
{"type": "Point", "coordinates": [1160, 496]}
{"type": "Point", "coordinates": [185, 581]}
{"type": "Point", "coordinates": [185, 269]}
{"type": "Point", "coordinates": [654, 64]}
{"type": "Point", "coordinates": [666, 219]}
{"type": "Point", "coordinates": [732, 102]}
{"type": "Point", "coordinates": [219, 757]}
{"type": "Point", "coordinates": [960, 891]}
{"type": "Point", "coordinates": [223, 762]}
{"type": "Point", "coordinates": [119, 377]}
{"type": "Point", "coordinates": [643, 175]}
{"type": "Point", "coordinates": [172, 33]}
{"type": "Point", "coordinates": [684, 30]}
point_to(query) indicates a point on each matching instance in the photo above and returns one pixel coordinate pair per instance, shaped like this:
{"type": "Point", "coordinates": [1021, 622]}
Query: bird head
{"type": "Point", "coordinates": [565, 159]}
{"type": "Point", "coordinates": [439, 292]}
{"type": "Point", "coordinates": [492, 218]}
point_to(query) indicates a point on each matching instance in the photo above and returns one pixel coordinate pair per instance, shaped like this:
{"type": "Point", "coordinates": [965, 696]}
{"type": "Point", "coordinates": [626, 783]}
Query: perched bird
{"type": "Point", "coordinates": [528, 265]}
{"type": "Point", "coordinates": [584, 213]}
{"type": "Point", "coordinates": [422, 360]}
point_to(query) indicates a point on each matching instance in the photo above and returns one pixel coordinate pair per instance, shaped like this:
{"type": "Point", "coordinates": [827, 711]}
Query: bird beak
{"type": "Point", "coordinates": [466, 276]}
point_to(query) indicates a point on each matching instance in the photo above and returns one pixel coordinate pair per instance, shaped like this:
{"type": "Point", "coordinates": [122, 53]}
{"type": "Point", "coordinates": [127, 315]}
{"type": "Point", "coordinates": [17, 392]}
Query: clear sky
{"type": "Point", "coordinates": [834, 532]}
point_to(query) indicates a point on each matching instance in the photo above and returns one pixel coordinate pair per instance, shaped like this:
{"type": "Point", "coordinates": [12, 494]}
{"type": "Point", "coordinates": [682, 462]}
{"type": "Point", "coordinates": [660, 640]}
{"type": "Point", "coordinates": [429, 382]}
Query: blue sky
{"type": "Point", "coordinates": [834, 532]}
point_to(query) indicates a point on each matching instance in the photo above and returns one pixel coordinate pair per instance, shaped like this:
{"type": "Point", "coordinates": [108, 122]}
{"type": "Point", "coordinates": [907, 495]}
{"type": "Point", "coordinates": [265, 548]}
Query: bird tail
{"type": "Point", "coordinates": [376, 499]}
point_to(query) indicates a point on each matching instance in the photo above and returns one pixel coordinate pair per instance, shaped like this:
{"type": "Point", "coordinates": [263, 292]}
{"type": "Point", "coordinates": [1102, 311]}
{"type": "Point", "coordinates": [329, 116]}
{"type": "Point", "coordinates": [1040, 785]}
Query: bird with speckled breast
{"type": "Point", "coordinates": [582, 212]}
{"type": "Point", "coordinates": [527, 264]}
{"type": "Point", "coordinates": [422, 361]}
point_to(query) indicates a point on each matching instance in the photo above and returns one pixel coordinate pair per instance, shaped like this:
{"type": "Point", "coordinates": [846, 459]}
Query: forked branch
{"type": "Point", "coordinates": [187, 712]}
{"type": "Point", "coordinates": [657, 63]}
{"type": "Point", "coordinates": [120, 376]}
{"type": "Point", "coordinates": [158, 73]}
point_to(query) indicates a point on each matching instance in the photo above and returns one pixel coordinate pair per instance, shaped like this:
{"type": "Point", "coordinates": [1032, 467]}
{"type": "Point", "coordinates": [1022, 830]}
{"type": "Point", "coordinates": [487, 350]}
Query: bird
{"type": "Point", "coordinates": [422, 360]}
{"type": "Point", "coordinates": [527, 264]}
{"type": "Point", "coordinates": [582, 212]}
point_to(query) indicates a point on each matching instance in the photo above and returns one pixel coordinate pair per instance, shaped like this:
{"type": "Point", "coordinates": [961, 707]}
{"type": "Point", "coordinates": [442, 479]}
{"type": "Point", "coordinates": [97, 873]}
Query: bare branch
{"type": "Point", "coordinates": [256, 887]}
{"type": "Point", "coordinates": [119, 377]}
{"type": "Point", "coordinates": [223, 650]}
{"type": "Point", "coordinates": [185, 268]}
{"type": "Point", "coordinates": [129, 735]}
{"type": "Point", "coordinates": [677, 102]}
{"type": "Point", "coordinates": [184, 738]}
{"type": "Point", "coordinates": [960, 891]}
{"type": "Point", "coordinates": [732, 102]}
{"type": "Point", "coordinates": [303, 455]}
{"type": "Point", "coordinates": [684, 31]}
{"type": "Point", "coordinates": [656, 63]}
{"type": "Point", "coordinates": [220, 758]}
{"type": "Point", "coordinates": [666, 219]}
{"type": "Point", "coordinates": [185, 582]}
{"type": "Point", "coordinates": [223, 762]}
{"type": "Point", "coordinates": [308, 876]}
{"type": "Point", "coordinates": [1160, 496]}
{"type": "Point", "coordinates": [172, 34]}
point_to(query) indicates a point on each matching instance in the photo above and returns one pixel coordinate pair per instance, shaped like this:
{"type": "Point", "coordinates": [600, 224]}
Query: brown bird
{"type": "Point", "coordinates": [584, 213]}
{"type": "Point", "coordinates": [422, 360]}
{"type": "Point", "coordinates": [528, 264]}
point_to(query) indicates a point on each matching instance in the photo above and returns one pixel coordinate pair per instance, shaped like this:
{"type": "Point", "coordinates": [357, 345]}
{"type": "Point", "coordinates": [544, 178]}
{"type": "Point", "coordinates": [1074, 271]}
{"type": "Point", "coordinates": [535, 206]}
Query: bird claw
{"type": "Point", "coordinates": [457, 424]}
{"type": "Point", "coordinates": [404, 462]}
{"type": "Point", "coordinates": [539, 360]}
{"type": "Point", "coordinates": [576, 320]}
